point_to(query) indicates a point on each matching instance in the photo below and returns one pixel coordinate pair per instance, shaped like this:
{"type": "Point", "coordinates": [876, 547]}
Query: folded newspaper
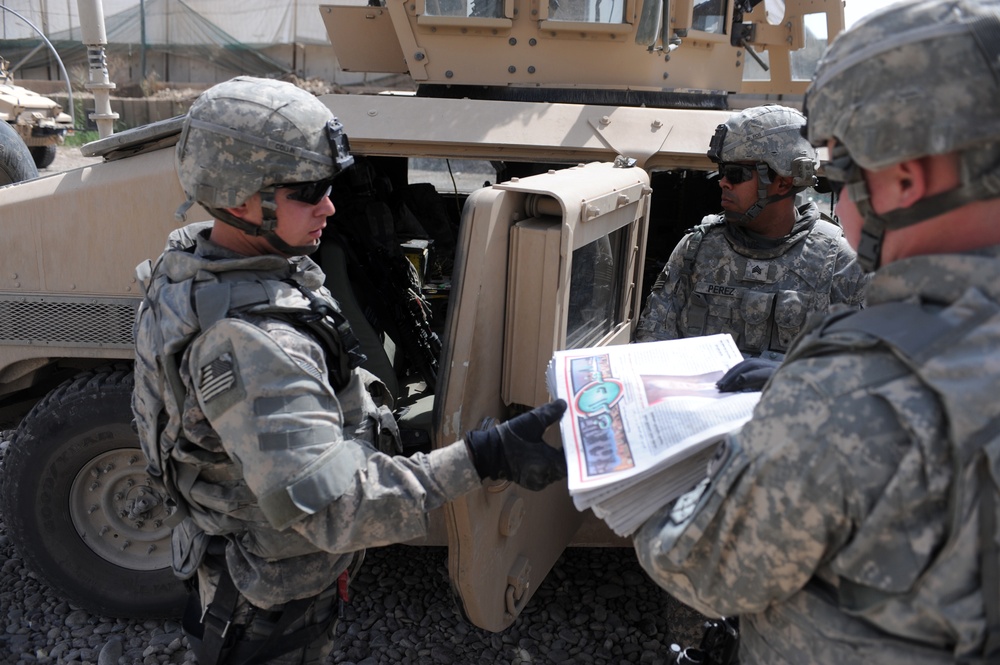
{"type": "Point", "coordinates": [644, 421]}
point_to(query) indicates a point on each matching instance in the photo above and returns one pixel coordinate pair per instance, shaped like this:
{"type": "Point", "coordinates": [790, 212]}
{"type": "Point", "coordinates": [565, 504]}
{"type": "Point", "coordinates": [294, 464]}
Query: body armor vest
{"type": "Point", "coordinates": [184, 294]}
{"type": "Point", "coordinates": [938, 350]}
{"type": "Point", "coordinates": [761, 297]}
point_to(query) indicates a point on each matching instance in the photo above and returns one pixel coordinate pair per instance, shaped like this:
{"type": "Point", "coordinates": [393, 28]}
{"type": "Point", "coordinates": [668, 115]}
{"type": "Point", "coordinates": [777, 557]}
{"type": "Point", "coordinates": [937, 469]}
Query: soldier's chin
{"type": "Point", "coordinates": [735, 217]}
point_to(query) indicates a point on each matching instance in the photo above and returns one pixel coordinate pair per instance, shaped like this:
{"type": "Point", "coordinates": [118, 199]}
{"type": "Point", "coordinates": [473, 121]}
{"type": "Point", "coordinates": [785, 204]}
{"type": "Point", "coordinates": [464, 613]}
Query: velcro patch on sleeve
{"type": "Point", "coordinates": [219, 382]}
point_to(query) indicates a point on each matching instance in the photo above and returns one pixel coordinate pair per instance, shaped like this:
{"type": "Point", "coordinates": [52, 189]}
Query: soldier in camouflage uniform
{"type": "Point", "coordinates": [758, 269]}
{"type": "Point", "coordinates": [270, 440]}
{"type": "Point", "coordinates": [853, 518]}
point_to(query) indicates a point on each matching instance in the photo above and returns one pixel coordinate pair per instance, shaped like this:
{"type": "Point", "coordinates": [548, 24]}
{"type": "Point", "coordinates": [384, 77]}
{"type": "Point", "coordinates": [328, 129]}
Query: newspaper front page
{"type": "Point", "coordinates": [643, 422]}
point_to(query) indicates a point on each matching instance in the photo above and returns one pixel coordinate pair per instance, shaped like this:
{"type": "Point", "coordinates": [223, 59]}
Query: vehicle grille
{"type": "Point", "coordinates": [67, 320]}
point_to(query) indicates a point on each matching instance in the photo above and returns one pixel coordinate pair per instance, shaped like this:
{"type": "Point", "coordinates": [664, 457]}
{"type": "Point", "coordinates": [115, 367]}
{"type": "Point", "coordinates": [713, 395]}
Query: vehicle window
{"type": "Point", "coordinates": [803, 61]}
{"type": "Point", "coordinates": [462, 176]}
{"type": "Point", "coordinates": [594, 296]}
{"type": "Point", "coordinates": [709, 16]}
{"type": "Point", "coordinates": [484, 8]}
{"type": "Point", "coordinates": [587, 11]}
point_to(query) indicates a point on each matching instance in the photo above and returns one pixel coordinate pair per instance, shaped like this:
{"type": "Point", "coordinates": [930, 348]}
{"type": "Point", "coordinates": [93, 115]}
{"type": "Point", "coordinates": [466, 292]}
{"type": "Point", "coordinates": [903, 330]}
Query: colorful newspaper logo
{"type": "Point", "coordinates": [599, 396]}
{"type": "Point", "coordinates": [596, 394]}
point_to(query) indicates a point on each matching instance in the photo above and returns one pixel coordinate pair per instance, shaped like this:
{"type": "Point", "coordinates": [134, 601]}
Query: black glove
{"type": "Point", "coordinates": [747, 376]}
{"type": "Point", "coordinates": [514, 449]}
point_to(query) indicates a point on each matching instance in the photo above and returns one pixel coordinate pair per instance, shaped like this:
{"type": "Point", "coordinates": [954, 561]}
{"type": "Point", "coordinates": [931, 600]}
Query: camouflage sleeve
{"type": "Point", "coordinates": [786, 498]}
{"type": "Point", "coordinates": [660, 316]}
{"type": "Point", "coordinates": [281, 422]}
{"type": "Point", "coordinates": [850, 282]}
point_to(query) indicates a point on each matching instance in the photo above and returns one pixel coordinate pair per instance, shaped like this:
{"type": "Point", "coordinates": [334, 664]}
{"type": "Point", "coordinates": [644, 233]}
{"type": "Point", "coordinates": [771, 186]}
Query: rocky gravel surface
{"type": "Point", "coordinates": [595, 607]}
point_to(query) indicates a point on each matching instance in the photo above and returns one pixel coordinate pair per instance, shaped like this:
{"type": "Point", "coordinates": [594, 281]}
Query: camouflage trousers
{"type": "Point", "coordinates": [232, 631]}
{"type": "Point", "coordinates": [323, 612]}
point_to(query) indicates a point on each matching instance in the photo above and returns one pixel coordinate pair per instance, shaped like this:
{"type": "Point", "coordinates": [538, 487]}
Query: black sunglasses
{"type": "Point", "coordinates": [309, 192]}
{"type": "Point", "coordinates": [736, 173]}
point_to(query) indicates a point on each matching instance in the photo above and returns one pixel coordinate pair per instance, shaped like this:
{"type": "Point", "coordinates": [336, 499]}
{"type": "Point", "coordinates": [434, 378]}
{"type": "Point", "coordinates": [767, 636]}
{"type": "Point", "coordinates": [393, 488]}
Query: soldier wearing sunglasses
{"type": "Point", "coordinates": [278, 451]}
{"type": "Point", "coordinates": [761, 266]}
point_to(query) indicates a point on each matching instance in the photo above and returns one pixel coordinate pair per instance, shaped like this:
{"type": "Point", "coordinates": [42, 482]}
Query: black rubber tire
{"type": "Point", "coordinates": [43, 155]}
{"type": "Point", "coordinates": [16, 162]}
{"type": "Point", "coordinates": [73, 466]}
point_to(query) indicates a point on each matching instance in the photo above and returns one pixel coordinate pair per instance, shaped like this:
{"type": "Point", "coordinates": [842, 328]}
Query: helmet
{"type": "Point", "coordinates": [248, 135]}
{"type": "Point", "coordinates": [916, 79]}
{"type": "Point", "coordinates": [770, 136]}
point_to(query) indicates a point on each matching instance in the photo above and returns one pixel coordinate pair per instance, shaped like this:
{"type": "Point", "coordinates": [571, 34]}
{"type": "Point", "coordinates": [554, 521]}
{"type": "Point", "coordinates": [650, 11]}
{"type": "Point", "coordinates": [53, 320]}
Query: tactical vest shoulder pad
{"type": "Point", "coordinates": [289, 301]}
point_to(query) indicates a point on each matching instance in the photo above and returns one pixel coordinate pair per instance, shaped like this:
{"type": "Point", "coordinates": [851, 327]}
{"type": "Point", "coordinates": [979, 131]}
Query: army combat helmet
{"type": "Point", "coordinates": [250, 135]}
{"type": "Point", "coordinates": [771, 137]}
{"type": "Point", "coordinates": [917, 79]}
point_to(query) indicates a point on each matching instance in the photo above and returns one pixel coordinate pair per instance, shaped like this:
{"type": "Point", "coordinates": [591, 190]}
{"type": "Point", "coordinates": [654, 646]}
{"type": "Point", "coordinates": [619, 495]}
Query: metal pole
{"type": "Point", "coordinates": [142, 40]}
{"type": "Point", "coordinates": [95, 37]}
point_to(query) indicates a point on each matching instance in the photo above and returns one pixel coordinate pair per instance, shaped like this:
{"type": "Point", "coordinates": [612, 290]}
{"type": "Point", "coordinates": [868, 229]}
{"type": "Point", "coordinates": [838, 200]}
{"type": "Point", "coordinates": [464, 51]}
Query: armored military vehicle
{"type": "Point", "coordinates": [551, 156]}
{"type": "Point", "coordinates": [39, 121]}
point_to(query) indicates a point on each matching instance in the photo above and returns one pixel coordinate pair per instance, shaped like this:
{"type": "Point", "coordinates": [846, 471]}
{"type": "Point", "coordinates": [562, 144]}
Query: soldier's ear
{"type": "Point", "coordinates": [784, 184]}
{"type": "Point", "coordinates": [912, 180]}
{"type": "Point", "coordinates": [249, 210]}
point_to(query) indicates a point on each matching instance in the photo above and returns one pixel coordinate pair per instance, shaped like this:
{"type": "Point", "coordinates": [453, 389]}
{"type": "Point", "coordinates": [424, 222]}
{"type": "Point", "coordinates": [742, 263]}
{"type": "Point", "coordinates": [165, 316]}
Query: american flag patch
{"type": "Point", "coordinates": [217, 377]}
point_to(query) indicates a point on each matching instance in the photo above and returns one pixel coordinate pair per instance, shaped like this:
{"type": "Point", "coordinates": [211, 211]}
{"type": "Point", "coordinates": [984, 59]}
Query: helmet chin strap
{"type": "Point", "coordinates": [874, 225]}
{"type": "Point", "coordinates": [267, 229]}
{"type": "Point", "coordinates": [269, 226]}
{"type": "Point", "coordinates": [872, 228]}
{"type": "Point", "coordinates": [763, 200]}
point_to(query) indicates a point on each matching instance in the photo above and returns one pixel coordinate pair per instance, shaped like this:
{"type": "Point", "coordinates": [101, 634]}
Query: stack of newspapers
{"type": "Point", "coordinates": [644, 421]}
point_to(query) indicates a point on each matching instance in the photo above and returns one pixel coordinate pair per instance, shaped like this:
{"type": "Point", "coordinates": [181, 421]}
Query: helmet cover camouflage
{"type": "Point", "coordinates": [915, 79]}
{"type": "Point", "coordinates": [771, 134]}
{"type": "Point", "coordinates": [248, 134]}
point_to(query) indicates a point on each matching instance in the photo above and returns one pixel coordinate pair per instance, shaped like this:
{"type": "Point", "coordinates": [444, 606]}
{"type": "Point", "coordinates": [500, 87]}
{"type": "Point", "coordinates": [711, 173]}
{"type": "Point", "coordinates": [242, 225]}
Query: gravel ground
{"type": "Point", "coordinates": [596, 606]}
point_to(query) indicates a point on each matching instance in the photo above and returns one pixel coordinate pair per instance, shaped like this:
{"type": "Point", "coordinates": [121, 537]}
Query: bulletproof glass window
{"type": "Point", "coordinates": [464, 8]}
{"type": "Point", "coordinates": [452, 175]}
{"type": "Point", "coordinates": [804, 62]}
{"type": "Point", "coordinates": [709, 16]}
{"type": "Point", "coordinates": [598, 274]}
{"type": "Point", "coordinates": [587, 11]}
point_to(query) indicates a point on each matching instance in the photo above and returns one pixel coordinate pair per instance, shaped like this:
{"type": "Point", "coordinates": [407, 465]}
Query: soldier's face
{"type": "Point", "coordinates": [738, 197]}
{"type": "Point", "coordinates": [301, 224]}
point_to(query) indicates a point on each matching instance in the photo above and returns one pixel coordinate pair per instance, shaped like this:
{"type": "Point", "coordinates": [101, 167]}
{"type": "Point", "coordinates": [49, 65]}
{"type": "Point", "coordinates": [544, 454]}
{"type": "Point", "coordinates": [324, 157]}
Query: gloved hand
{"type": "Point", "coordinates": [514, 449]}
{"type": "Point", "coordinates": [747, 376]}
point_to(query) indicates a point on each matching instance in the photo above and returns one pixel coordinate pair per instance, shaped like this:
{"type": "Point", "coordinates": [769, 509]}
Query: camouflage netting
{"type": "Point", "coordinates": [168, 28]}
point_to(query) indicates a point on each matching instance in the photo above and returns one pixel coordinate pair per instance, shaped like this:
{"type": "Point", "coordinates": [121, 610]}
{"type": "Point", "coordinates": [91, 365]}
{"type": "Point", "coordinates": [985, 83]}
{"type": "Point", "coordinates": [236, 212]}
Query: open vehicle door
{"type": "Point", "coordinates": [544, 262]}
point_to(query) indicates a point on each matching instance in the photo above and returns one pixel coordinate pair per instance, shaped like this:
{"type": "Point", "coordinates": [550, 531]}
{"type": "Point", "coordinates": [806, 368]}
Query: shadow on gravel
{"type": "Point", "coordinates": [596, 606]}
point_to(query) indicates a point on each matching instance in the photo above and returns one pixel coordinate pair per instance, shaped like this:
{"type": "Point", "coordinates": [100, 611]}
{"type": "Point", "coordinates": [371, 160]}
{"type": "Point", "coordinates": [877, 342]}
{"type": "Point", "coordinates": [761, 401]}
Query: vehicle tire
{"type": "Point", "coordinates": [16, 162]}
{"type": "Point", "coordinates": [72, 473]}
{"type": "Point", "coordinates": [43, 155]}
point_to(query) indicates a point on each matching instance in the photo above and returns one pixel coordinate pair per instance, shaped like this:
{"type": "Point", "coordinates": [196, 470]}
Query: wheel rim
{"type": "Point", "coordinates": [117, 514]}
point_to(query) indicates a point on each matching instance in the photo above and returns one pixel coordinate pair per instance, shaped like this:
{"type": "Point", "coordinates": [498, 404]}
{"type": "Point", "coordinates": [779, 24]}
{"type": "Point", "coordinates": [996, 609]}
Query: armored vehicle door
{"type": "Point", "coordinates": [544, 262]}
